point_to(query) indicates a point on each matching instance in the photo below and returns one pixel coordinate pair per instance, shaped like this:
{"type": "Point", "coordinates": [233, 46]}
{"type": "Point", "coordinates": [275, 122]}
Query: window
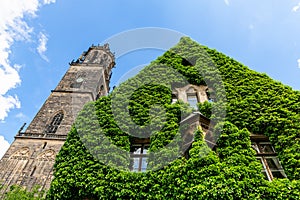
{"type": "Point", "coordinates": [138, 154]}
{"type": "Point", "coordinates": [52, 128]}
{"type": "Point", "coordinates": [174, 98]}
{"type": "Point", "coordinates": [268, 158]}
{"type": "Point", "coordinates": [210, 95]}
{"type": "Point", "coordinates": [192, 100]}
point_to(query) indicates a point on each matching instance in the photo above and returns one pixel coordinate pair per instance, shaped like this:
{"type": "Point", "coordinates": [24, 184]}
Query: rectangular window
{"type": "Point", "coordinates": [138, 154]}
{"type": "Point", "coordinates": [192, 100]}
{"type": "Point", "coordinates": [268, 158]}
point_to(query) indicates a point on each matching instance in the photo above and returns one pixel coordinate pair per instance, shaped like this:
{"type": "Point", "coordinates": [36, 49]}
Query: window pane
{"type": "Point", "coordinates": [266, 148]}
{"type": "Point", "coordinates": [144, 164]}
{"type": "Point", "coordinates": [192, 100]}
{"type": "Point", "coordinates": [145, 149]}
{"type": "Point", "coordinates": [273, 163]}
{"type": "Point", "coordinates": [135, 166]}
{"type": "Point", "coordinates": [278, 174]}
{"type": "Point", "coordinates": [136, 150]}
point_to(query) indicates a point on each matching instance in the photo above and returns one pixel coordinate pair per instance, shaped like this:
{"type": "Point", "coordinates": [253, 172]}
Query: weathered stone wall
{"type": "Point", "coordinates": [68, 103]}
{"type": "Point", "coordinates": [29, 160]}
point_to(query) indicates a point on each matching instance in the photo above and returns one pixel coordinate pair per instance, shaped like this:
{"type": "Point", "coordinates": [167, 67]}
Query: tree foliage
{"type": "Point", "coordinates": [18, 192]}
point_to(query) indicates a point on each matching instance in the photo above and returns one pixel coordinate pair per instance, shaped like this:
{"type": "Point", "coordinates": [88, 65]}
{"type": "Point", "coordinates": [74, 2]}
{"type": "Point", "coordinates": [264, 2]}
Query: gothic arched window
{"type": "Point", "coordinates": [52, 127]}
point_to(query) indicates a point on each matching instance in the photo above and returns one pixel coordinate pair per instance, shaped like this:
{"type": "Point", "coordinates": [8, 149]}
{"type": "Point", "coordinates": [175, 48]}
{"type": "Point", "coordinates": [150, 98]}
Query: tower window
{"type": "Point", "coordinates": [268, 158]}
{"type": "Point", "coordinates": [139, 155]}
{"type": "Point", "coordinates": [52, 128]}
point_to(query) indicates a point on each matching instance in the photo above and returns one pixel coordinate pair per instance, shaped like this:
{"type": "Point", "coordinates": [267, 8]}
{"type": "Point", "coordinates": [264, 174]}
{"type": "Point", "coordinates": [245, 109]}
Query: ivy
{"type": "Point", "coordinates": [142, 106]}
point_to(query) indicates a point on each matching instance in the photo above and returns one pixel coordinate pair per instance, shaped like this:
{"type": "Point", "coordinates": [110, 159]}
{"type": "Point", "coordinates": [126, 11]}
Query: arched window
{"type": "Point", "coordinates": [52, 127]}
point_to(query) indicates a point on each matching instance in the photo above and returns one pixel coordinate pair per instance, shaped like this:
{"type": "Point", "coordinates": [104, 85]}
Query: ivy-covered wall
{"type": "Point", "coordinates": [254, 103]}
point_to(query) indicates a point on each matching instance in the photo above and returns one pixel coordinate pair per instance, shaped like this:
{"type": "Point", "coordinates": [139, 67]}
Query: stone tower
{"type": "Point", "coordinates": [30, 158]}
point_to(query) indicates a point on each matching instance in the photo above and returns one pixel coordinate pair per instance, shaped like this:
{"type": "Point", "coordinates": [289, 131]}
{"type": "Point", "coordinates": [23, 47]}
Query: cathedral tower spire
{"type": "Point", "coordinates": [30, 158]}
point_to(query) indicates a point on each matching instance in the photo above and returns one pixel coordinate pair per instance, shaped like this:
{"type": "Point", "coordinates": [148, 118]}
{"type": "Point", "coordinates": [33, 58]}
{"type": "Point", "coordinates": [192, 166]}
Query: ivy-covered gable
{"type": "Point", "coordinates": [255, 104]}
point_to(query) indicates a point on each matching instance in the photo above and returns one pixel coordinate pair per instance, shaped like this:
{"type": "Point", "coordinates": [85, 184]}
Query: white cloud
{"type": "Point", "coordinates": [4, 145]}
{"type": "Point", "coordinates": [42, 48]}
{"type": "Point", "coordinates": [7, 103]}
{"type": "Point", "coordinates": [22, 117]}
{"type": "Point", "coordinates": [296, 8]}
{"type": "Point", "coordinates": [226, 2]}
{"type": "Point", "coordinates": [298, 62]}
{"type": "Point", "coordinates": [49, 1]}
{"type": "Point", "coordinates": [13, 28]}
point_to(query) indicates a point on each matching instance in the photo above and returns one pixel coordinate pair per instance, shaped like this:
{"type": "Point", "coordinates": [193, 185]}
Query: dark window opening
{"type": "Point", "coordinates": [95, 54]}
{"type": "Point", "coordinates": [100, 92]}
{"type": "Point", "coordinates": [210, 95]}
{"type": "Point", "coordinates": [53, 126]}
{"type": "Point", "coordinates": [139, 155]}
{"type": "Point", "coordinates": [174, 98]}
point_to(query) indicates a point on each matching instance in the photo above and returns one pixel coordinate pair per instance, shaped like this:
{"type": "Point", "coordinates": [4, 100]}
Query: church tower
{"type": "Point", "coordinates": [30, 158]}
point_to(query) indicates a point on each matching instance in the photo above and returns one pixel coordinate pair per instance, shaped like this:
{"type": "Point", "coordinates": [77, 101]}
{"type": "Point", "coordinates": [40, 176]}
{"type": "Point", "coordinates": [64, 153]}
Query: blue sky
{"type": "Point", "coordinates": [39, 38]}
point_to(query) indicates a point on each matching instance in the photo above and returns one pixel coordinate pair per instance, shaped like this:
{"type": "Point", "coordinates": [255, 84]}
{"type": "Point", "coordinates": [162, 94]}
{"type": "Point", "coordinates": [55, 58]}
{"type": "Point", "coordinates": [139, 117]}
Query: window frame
{"type": "Point", "coordinates": [264, 156]}
{"type": "Point", "coordinates": [194, 94]}
{"type": "Point", "coordinates": [143, 144]}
